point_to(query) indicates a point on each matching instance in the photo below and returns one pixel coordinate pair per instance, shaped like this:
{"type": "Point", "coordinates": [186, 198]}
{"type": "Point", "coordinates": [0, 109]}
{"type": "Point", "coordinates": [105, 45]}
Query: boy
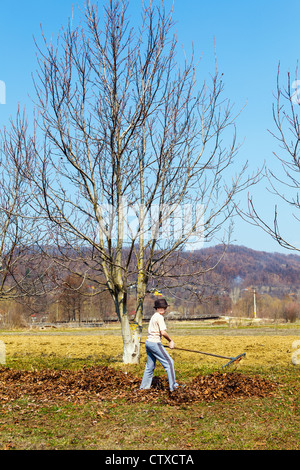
{"type": "Point", "coordinates": [155, 350]}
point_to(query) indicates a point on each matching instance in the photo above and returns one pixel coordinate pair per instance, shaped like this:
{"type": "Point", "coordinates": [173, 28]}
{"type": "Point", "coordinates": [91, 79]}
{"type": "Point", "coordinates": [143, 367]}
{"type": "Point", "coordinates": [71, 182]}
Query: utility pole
{"type": "Point", "coordinates": [254, 300]}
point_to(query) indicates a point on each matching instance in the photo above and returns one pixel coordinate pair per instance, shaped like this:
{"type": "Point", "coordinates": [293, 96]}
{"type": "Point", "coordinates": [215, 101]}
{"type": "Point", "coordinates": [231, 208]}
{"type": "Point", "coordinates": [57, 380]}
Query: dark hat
{"type": "Point", "coordinates": [160, 303]}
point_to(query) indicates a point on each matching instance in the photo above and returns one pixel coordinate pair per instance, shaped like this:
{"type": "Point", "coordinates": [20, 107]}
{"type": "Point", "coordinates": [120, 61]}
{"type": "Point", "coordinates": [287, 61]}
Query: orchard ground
{"type": "Point", "coordinates": [33, 420]}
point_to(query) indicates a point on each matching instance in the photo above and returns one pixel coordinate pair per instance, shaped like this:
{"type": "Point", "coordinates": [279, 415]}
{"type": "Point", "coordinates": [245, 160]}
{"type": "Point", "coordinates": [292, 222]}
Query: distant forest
{"type": "Point", "coordinates": [241, 276]}
{"type": "Point", "coordinates": [241, 273]}
{"type": "Point", "coordinates": [241, 266]}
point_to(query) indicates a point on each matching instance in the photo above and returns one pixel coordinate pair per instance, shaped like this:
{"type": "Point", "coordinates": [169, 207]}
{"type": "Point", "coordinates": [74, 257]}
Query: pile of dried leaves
{"type": "Point", "coordinates": [106, 383]}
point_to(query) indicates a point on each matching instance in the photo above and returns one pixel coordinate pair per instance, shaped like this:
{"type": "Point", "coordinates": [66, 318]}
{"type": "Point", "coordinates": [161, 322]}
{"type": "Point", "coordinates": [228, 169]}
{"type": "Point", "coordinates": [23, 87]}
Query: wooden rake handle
{"type": "Point", "coordinates": [231, 359]}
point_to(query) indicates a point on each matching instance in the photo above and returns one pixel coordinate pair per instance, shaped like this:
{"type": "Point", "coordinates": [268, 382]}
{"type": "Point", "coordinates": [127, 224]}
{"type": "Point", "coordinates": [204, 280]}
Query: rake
{"type": "Point", "coordinates": [232, 360]}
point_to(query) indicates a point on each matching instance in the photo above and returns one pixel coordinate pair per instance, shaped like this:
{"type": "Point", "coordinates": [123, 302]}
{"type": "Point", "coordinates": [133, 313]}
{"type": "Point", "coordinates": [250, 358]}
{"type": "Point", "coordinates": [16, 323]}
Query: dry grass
{"type": "Point", "coordinates": [261, 350]}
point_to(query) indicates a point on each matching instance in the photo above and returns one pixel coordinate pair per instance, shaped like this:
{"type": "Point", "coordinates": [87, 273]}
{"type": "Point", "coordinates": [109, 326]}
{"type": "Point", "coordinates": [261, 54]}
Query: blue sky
{"type": "Point", "coordinates": [251, 38]}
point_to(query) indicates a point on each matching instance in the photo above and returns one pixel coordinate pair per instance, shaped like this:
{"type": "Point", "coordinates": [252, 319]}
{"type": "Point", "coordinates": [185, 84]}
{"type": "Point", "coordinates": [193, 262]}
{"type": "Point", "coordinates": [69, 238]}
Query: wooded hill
{"type": "Point", "coordinates": [229, 288]}
{"type": "Point", "coordinates": [244, 267]}
{"type": "Point", "coordinates": [226, 290]}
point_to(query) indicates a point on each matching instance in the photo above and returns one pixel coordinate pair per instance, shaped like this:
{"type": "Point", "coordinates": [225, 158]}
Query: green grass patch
{"type": "Point", "coordinates": [269, 423]}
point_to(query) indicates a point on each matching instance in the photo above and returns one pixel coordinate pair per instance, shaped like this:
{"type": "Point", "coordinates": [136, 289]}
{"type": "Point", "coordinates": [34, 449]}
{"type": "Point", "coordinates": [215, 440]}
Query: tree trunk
{"type": "Point", "coordinates": [131, 334]}
{"type": "Point", "coordinates": [131, 342]}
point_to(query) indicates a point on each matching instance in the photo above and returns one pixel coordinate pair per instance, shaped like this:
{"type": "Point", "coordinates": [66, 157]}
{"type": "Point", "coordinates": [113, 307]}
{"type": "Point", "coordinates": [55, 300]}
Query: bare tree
{"type": "Point", "coordinates": [284, 182]}
{"type": "Point", "coordinates": [128, 134]}
{"type": "Point", "coordinates": [20, 257]}
{"type": "Point", "coordinates": [71, 299]}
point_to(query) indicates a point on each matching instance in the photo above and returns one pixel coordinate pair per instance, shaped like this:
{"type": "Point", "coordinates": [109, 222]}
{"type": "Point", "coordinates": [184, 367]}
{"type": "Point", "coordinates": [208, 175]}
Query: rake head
{"type": "Point", "coordinates": [234, 360]}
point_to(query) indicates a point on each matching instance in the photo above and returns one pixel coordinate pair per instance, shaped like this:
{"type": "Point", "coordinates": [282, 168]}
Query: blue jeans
{"type": "Point", "coordinates": [156, 351]}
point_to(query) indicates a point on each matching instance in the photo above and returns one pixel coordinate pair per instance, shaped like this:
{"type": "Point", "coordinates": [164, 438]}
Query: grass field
{"type": "Point", "coordinates": [266, 423]}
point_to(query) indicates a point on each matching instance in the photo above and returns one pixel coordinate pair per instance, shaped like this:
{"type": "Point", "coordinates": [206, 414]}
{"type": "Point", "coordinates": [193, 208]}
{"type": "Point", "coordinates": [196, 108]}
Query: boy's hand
{"type": "Point", "coordinates": [171, 344]}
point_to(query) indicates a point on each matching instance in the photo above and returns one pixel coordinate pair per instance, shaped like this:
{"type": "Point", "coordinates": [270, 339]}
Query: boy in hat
{"type": "Point", "coordinates": [155, 350]}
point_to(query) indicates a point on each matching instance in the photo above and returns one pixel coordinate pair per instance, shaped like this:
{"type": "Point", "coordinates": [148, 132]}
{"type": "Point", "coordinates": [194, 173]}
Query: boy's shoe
{"type": "Point", "coordinates": [180, 386]}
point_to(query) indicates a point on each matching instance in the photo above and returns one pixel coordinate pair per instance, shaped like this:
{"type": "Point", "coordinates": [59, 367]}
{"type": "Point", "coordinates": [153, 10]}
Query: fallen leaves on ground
{"type": "Point", "coordinates": [107, 383]}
